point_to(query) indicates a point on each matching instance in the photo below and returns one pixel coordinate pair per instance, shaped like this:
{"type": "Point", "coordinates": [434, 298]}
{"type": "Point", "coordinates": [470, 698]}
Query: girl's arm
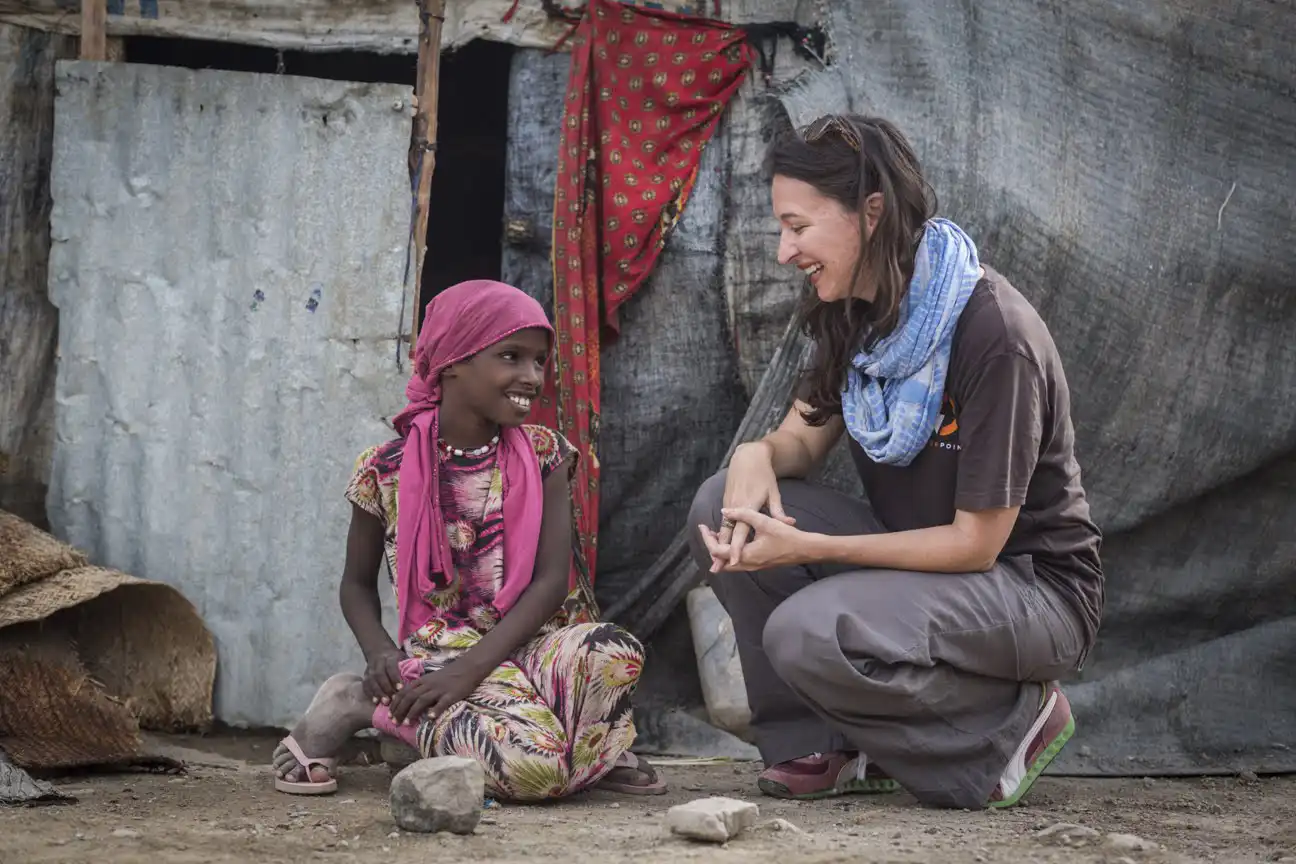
{"type": "Point", "coordinates": [358, 595]}
{"type": "Point", "coordinates": [548, 588]}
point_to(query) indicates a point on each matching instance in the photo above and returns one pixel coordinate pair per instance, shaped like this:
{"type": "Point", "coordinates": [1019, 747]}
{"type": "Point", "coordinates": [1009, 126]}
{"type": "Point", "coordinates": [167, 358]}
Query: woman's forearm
{"type": "Point", "coordinates": [941, 549]}
{"type": "Point", "coordinates": [789, 457]}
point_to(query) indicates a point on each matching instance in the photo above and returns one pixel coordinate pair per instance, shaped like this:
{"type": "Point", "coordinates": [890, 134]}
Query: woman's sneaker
{"type": "Point", "coordinates": [824, 776]}
{"type": "Point", "coordinates": [1043, 742]}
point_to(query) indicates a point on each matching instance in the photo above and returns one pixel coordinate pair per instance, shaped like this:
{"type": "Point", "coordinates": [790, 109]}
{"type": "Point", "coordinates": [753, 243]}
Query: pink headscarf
{"type": "Point", "coordinates": [461, 321]}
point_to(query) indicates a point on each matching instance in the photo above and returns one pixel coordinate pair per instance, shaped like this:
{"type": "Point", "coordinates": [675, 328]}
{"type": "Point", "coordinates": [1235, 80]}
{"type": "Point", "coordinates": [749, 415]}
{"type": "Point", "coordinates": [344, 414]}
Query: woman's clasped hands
{"type": "Point", "coordinates": [747, 538]}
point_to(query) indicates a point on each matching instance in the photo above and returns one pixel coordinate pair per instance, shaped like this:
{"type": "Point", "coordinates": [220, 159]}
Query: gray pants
{"type": "Point", "coordinates": [922, 672]}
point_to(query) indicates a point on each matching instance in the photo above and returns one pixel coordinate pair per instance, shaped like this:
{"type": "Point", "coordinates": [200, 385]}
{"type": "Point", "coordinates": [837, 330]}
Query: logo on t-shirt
{"type": "Point", "coordinates": [946, 435]}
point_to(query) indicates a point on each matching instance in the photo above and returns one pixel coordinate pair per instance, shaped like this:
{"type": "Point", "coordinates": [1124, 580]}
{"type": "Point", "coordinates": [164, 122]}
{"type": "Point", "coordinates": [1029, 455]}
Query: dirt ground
{"type": "Point", "coordinates": [224, 809]}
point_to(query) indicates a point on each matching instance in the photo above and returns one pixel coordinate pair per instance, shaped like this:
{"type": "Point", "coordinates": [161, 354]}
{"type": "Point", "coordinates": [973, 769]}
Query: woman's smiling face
{"type": "Point", "coordinates": [818, 235]}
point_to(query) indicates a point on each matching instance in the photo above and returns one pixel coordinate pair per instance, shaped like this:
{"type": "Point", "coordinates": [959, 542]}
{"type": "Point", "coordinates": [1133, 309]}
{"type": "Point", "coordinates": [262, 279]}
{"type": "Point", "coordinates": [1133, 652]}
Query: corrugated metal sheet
{"type": "Point", "coordinates": [228, 252]}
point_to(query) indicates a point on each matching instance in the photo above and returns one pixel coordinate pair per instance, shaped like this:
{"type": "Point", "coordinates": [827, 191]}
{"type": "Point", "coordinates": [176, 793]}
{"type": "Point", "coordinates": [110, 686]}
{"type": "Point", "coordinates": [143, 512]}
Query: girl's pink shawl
{"type": "Point", "coordinates": [461, 321]}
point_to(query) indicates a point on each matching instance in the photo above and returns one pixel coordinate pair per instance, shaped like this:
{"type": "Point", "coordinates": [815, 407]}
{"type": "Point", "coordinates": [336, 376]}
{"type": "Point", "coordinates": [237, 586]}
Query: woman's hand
{"type": "Point", "coordinates": [777, 543]}
{"type": "Point", "coordinates": [382, 678]}
{"type": "Point", "coordinates": [751, 484]}
{"type": "Point", "coordinates": [435, 692]}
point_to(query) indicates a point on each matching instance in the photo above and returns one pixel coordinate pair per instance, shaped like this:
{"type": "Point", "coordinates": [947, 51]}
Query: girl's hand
{"type": "Point", "coordinates": [777, 543]}
{"type": "Point", "coordinates": [435, 693]}
{"type": "Point", "coordinates": [382, 678]}
{"type": "Point", "coordinates": [750, 483]}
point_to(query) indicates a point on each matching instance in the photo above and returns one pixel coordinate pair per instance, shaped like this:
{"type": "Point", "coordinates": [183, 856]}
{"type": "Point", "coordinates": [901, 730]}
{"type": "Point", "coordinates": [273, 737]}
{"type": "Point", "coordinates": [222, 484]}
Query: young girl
{"type": "Point", "coordinates": [498, 656]}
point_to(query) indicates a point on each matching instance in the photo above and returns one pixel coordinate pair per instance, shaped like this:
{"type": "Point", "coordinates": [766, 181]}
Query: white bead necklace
{"type": "Point", "coordinates": [480, 451]}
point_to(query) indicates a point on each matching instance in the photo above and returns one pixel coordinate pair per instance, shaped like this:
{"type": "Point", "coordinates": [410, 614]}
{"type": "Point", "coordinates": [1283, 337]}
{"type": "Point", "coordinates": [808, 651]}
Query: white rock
{"type": "Point", "coordinates": [125, 832]}
{"type": "Point", "coordinates": [1130, 843]}
{"type": "Point", "coordinates": [782, 825]}
{"type": "Point", "coordinates": [1067, 834]}
{"type": "Point", "coordinates": [714, 820]}
{"type": "Point", "coordinates": [441, 794]}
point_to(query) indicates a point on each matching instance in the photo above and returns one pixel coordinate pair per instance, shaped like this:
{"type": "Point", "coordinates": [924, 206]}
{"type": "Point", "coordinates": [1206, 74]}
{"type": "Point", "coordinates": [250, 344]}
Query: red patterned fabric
{"type": "Point", "coordinates": [646, 91]}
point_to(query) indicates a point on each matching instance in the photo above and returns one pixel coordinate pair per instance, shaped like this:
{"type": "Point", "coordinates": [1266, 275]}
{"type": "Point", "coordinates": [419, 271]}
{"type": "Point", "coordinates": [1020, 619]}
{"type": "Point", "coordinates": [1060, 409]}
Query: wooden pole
{"type": "Point", "coordinates": [423, 152]}
{"type": "Point", "coordinates": [94, 29]}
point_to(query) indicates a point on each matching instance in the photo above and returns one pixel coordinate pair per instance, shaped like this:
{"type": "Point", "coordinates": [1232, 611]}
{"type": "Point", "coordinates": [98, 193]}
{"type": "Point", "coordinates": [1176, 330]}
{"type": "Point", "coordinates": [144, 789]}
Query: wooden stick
{"type": "Point", "coordinates": [94, 29]}
{"type": "Point", "coordinates": [423, 152]}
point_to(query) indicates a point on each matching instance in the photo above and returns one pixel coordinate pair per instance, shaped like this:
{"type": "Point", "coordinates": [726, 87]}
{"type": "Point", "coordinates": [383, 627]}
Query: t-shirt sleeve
{"type": "Point", "coordinates": [552, 449]}
{"type": "Point", "coordinates": [1000, 426]}
{"type": "Point", "coordinates": [363, 489]}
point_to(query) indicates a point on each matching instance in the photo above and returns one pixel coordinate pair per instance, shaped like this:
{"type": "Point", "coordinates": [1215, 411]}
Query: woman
{"type": "Point", "coordinates": [915, 638]}
{"type": "Point", "coordinates": [497, 657]}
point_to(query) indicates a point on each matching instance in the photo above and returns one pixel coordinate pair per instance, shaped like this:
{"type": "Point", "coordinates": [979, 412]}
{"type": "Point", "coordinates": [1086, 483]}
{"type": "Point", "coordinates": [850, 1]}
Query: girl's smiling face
{"type": "Point", "coordinates": [500, 383]}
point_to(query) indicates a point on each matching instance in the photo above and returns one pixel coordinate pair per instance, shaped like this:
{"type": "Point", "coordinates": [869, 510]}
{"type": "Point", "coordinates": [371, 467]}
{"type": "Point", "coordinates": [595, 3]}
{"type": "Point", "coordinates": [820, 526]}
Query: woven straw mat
{"type": "Point", "coordinates": [89, 656]}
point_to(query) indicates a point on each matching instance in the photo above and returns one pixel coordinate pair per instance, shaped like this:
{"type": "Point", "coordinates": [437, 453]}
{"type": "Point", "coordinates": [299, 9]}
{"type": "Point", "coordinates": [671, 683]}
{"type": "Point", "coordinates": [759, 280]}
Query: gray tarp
{"type": "Point", "coordinates": [1130, 167]}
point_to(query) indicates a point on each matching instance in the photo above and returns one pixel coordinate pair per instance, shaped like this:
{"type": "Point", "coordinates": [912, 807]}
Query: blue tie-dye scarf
{"type": "Point", "coordinates": [893, 420]}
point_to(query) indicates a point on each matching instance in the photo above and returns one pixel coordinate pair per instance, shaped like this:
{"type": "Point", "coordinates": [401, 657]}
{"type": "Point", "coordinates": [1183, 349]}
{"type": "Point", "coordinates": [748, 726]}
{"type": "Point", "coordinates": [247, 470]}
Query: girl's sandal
{"type": "Point", "coordinates": [629, 763]}
{"type": "Point", "coordinates": [307, 786]}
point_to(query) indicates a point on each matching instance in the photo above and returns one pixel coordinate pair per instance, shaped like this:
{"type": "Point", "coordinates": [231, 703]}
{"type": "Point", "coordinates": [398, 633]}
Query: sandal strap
{"type": "Point", "coordinates": [305, 761]}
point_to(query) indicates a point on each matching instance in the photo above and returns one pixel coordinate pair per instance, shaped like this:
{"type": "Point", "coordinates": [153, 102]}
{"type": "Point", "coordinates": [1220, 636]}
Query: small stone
{"type": "Point", "coordinates": [1149, 782]}
{"type": "Point", "coordinates": [441, 794]}
{"type": "Point", "coordinates": [714, 820]}
{"type": "Point", "coordinates": [386, 848]}
{"type": "Point", "coordinates": [393, 835]}
{"type": "Point", "coordinates": [1124, 860]}
{"type": "Point", "coordinates": [1086, 751]}
{"type": "Point", "coordinates": [125, 832]}
{"type": "Point", "coordinates": [616, 805]}
{"type": "Point", "coordinates": [782, 825]}
{"type": "Point", "coordinates": [1248, 776]}
{"type": "Point", "coordinates": [1130, 843]}
{"type": "Point", "coordinates": [1067, 834]}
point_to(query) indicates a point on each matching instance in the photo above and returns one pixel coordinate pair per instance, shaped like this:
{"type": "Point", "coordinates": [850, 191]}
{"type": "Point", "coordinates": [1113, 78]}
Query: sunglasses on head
{"type": "Point", "coordinates": [835, 124]}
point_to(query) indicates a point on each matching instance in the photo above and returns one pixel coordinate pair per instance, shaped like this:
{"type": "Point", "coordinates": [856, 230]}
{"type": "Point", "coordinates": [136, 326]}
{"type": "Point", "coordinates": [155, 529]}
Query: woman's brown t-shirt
{"type": "Point", "coordinates": [1004, 439]}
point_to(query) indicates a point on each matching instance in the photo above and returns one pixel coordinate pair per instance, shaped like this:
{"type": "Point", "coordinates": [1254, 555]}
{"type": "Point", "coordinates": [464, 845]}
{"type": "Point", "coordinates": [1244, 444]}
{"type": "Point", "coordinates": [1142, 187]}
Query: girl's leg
{"type": "Point", "coordinates": [509, 730]}
{"type": "Point", "coordinates": [339, 710]}
{"type": "Point", "coordinates": [586, 674]}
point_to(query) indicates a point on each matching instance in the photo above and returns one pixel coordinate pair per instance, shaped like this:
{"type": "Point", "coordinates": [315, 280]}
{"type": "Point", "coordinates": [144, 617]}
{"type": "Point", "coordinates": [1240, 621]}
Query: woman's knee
{"type": "Point", "coordinates": [707, 502]}
{"type": "Point", "coordinates": [795, 637]}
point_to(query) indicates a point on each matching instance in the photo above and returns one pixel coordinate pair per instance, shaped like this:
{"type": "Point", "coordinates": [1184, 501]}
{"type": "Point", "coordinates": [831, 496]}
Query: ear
{"type": "Point", "coordinates": [872, 212]}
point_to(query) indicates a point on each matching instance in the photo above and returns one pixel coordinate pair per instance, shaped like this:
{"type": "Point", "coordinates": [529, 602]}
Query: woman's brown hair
{"type": "Point", "coordinates": [849, 158]}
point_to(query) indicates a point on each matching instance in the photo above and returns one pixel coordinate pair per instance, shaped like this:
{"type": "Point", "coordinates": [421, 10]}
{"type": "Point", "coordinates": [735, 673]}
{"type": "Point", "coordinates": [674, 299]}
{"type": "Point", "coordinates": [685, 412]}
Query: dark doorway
{"type": "Point", "coordinates": [466, 214]}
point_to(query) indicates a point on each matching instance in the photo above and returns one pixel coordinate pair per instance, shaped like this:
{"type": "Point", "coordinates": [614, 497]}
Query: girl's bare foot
{"type": "Point", "coordinates": [339, 710]}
